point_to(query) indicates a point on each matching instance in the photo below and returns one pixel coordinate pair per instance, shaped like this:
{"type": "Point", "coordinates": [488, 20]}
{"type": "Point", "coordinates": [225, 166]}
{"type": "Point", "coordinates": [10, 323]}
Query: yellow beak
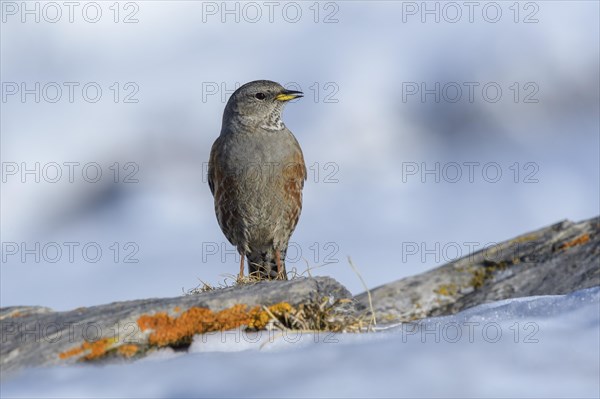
{"type": "Point", "coordinates": [288, 95]}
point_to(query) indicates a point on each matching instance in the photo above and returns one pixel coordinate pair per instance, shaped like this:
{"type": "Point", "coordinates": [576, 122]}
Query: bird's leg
{"type": "Point", "coordinates": [241, 276]}
{"type": "Point", "coordinates": [279, 267]}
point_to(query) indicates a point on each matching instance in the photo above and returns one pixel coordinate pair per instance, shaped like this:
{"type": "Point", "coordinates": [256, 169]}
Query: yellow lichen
{"type": "Point", "coordinates": [281, 308]}
{"type": "Point", "coordinates": [447, 289]}
{"type": "Point", "coordinates": [483, 273]}
{"type": "Point", "coordinates": [479, 277]}
{"type": "Point", "coordinates": [526, 237]}
{"type": "Point", "coordinates": [259, 321]}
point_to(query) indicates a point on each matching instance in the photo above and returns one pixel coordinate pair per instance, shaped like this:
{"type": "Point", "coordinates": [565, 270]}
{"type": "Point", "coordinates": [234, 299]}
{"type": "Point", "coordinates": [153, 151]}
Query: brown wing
{"type": "Point", "coordinates": [222, 186]}
{"type": "Point", "coordinates": [294, 176]}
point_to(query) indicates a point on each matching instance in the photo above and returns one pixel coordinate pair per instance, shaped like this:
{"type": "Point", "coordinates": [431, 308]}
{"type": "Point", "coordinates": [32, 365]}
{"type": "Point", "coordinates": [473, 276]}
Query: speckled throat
{"type": "Point", "coordinates": [274, 121]}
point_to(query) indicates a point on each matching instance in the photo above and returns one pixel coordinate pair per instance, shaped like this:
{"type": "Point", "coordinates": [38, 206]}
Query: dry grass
{"type": "Point", "coordinates": [229, 280]}
{"type": "Point", "coordinates": [373, 321]}
{"type": "Point", "coordinates": [324, 315]}
{"type": "Point", "coordinates": [234, 280]}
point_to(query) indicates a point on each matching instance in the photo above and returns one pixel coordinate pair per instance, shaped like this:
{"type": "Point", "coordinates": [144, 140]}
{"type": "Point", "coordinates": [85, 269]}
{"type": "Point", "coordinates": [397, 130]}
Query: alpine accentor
{"type": "Point", "coordinates": [256, 174]}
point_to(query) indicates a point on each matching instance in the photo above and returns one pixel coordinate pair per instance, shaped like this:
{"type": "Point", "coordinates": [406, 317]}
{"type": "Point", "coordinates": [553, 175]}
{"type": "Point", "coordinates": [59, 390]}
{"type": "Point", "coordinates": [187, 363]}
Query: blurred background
{"type": "Point", "coordinates": [430, 130]}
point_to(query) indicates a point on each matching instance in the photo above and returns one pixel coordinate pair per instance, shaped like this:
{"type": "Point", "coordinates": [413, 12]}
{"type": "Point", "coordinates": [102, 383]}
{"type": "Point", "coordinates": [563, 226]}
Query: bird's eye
{"type": "Point", "coordinates": [260, 96]}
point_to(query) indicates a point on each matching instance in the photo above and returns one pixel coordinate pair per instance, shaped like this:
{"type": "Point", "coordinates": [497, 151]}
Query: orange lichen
{"type": "Point", "coordinates": [582, 239]}
{"type": "Point", "coordinates": [176, 309]}
{"type": "Point", "coordinates": [167, 330]}
{"type": "Point", "coordinates": [93, 350]}
{"type": "Point", "coordinates": [71, 352]}
{"type": "Point", "coordinates": [127, 350]}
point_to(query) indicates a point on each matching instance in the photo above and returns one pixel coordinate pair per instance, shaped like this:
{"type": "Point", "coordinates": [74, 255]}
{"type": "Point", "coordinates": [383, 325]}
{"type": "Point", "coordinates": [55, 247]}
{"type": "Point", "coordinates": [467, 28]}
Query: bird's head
{"type": "Point", "coordinates": [258, 104]}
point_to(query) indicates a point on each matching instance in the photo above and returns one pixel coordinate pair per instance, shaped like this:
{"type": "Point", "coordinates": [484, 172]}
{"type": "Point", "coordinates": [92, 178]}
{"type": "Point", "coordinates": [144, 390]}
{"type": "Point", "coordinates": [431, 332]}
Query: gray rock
{"type": "Point", "coordinates": [36, 336]}
{"type": "Point", "coordinates": [554, 260]}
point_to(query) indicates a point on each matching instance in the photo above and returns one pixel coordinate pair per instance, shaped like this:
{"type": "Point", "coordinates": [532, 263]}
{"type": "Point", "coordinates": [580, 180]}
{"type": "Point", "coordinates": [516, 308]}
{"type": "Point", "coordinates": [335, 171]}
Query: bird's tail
{"type": "Point", "coordinates": [264, 265]}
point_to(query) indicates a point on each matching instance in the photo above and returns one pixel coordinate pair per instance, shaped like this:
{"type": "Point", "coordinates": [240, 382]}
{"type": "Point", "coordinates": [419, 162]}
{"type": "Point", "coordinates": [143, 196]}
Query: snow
{"type": "Point", "coordinates": [546, 346]}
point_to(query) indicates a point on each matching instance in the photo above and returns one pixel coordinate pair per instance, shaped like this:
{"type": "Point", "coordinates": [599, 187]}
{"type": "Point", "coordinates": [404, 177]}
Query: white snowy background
{"type": "Point", "coordinates": [359, 130]}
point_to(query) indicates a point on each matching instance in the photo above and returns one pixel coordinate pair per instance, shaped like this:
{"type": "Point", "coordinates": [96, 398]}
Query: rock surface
{"type": "Point", "coordinates": [554, 260]}
{"type": "Point", "coordinates": [35, 336]}
{"type": "Point", "coordinates": [557, 259]}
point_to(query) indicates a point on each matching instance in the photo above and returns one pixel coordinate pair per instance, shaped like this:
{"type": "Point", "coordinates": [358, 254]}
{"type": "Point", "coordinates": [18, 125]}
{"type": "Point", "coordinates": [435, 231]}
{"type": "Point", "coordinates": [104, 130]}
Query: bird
{"type": "Point", "coordinates": [256, 174]}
